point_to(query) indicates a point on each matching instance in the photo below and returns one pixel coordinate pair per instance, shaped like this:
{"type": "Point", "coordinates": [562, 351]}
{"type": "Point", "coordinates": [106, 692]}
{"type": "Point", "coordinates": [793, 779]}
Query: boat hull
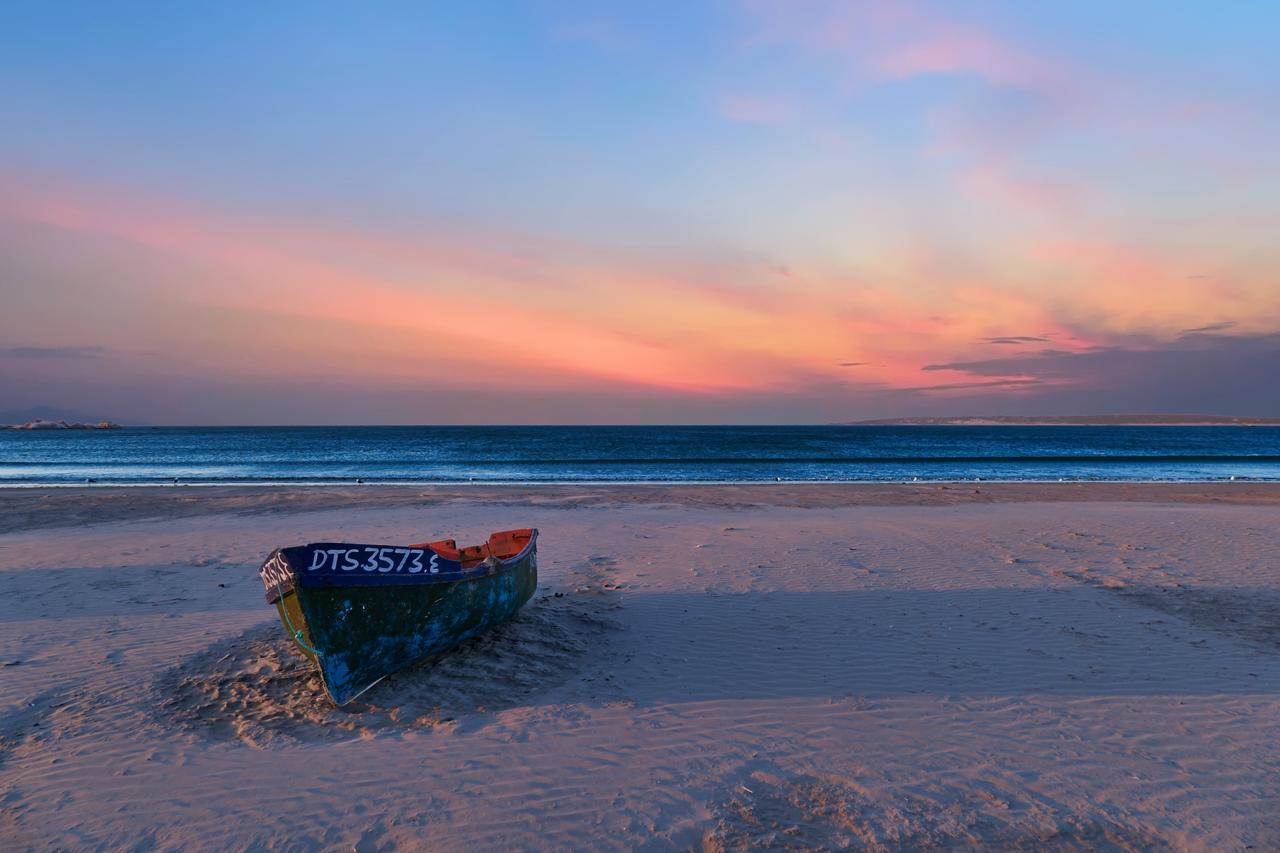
{"type": "Point", "coordinates": [359, 634]}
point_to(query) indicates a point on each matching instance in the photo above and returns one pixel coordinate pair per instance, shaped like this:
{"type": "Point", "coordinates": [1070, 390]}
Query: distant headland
{"type": "Point", "coordinates": [1074, 420]}
{"type": "Point", "coordinates": [43, 424]}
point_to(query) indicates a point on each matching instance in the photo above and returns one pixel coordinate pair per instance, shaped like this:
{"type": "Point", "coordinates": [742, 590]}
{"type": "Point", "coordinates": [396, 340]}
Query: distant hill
{"type": "Point", "coordinates": [1075, 420]}
{"type": "Point", "coordinates": [43, 425]}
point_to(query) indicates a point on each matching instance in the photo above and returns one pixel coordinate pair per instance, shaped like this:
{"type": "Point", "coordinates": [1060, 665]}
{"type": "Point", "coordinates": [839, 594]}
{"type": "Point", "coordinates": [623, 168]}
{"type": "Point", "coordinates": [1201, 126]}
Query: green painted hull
{"type": "Point", "coordinates": [359, 635]}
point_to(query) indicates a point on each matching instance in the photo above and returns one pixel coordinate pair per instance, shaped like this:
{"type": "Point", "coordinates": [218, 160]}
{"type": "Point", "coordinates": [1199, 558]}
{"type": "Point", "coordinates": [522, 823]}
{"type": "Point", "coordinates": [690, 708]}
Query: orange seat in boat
{"type": "Point", "coordinates": [504, 544]}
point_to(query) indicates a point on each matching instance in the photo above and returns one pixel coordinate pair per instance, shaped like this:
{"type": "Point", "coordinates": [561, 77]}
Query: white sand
{"type": "Point", "coordinates": [719, 670]}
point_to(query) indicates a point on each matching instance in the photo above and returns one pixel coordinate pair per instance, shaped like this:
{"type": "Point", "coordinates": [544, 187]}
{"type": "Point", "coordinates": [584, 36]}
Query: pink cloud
{"type": "Point", "coordinates": [898, 40]}
{"type": "Point", "coordinates": [996, 184]}
{"type": "Point", "coordinates": [941, 47]}
{"type": "Point", "coordinates": [1025, 94]}
{"type": "Point", "coordinates": [291, 273]}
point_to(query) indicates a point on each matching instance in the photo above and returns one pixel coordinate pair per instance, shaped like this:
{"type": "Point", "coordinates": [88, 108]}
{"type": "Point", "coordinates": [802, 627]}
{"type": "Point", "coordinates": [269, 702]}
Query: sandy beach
{"type": "Point", "coordinates": [704, 667]}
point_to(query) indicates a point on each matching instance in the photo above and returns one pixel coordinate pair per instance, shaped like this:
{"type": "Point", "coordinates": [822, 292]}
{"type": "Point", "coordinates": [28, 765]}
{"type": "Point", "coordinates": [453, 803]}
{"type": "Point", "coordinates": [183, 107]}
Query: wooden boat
{"type": "Point", "coordinates": [362, 612]}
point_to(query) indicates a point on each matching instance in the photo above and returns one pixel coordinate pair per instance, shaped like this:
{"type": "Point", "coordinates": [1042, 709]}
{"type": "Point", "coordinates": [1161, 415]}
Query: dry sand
{"type": "Point", "coordinates": [1063, 666]}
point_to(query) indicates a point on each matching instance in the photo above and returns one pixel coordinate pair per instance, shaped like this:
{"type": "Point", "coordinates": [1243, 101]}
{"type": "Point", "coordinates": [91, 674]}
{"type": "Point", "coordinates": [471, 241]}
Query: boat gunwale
{"type": "Point", "coordinates": [526, 557]}
{"type": "Point", "coordinates": [280, 590]}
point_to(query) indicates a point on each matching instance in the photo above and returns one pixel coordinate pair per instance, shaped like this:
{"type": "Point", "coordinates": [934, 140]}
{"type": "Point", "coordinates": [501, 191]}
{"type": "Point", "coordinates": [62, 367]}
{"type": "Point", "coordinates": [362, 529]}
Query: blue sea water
{"type": "Point", "coordinates": [445, 454]}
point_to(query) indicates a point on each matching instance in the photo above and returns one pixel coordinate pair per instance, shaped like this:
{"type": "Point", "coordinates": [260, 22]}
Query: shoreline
{"type": "Point", "coordinates": [32, 508]}
{"type": "Point", "coordinates": [779, 481]}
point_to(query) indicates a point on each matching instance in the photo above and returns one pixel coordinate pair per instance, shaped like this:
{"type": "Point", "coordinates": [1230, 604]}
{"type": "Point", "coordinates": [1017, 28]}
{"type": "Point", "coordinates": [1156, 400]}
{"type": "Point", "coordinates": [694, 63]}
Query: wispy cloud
{"type": "Point", "coordinates": [974, 386]}
{"type": "Point", "coordinates": [1015, 340]}
{"type": "Point", "coordinates": [935, 45]}
{"type": "Point", "coordinates": [1174, 368]}
{"type": "Point", "coordinates": [896, 40]}
{"type": "Point", "coordinates": [1220, 374]}
{"type": "Point", "coordinates": [1210, 328]}
{"type": "Point", "coordinates": [1045, 364]}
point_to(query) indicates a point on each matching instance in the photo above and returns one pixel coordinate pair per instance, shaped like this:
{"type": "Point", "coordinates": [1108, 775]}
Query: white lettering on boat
{"type": "Point", "coordinates": [276, 571]}
{"type": "Point", "coordinates": [368, 558]}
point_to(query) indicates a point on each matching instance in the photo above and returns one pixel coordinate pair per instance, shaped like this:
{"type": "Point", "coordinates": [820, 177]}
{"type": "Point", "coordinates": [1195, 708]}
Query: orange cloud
{"type": "Point", "coordinates": [1126, 290]}
{"type": "Point", "coordinates": [512, 311]}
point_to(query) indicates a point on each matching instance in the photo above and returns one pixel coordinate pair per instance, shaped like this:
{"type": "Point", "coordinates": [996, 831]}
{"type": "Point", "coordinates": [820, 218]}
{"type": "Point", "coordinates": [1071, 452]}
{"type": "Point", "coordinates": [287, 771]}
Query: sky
{"type": "Point", "coordinates": [559, 212]}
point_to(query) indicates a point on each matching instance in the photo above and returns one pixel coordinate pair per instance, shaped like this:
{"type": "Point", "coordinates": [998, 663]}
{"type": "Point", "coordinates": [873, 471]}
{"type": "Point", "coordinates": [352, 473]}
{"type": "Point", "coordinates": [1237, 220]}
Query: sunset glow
{"type": "Point", "coordinates": [761, 212]}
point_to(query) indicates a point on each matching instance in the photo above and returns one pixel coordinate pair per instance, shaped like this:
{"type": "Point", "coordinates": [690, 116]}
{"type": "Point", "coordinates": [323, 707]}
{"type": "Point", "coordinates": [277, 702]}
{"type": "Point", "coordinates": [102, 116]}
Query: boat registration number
{"type": "Point", "coordinates": [372, 559]}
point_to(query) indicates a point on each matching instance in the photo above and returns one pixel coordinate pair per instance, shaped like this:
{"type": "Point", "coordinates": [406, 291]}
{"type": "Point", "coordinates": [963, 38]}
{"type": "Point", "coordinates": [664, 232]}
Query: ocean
{"type": "Point", "coordinates": [568, 454]}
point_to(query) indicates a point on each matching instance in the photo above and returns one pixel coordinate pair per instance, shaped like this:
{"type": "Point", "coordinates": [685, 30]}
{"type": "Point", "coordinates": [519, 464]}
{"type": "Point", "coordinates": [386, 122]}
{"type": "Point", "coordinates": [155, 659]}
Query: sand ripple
{"type": "Point", "coordinates": [258, 688]}
{"type": "Point", "coordinates": [769, 809]}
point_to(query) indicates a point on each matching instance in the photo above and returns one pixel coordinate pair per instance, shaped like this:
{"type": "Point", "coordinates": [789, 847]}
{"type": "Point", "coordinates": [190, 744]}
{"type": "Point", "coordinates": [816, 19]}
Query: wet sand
{"type": "Point", "coordinates": [722, 667]}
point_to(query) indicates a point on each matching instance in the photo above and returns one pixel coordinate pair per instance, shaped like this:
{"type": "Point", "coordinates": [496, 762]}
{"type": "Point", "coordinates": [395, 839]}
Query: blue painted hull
{"type": "Point", "coordinates": [359, 633]}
